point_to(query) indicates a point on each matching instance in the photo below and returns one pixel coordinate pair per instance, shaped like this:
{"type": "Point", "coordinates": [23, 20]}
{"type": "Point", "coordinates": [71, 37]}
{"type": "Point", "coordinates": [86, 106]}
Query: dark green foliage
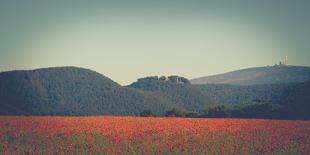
{"type": "Point", "coordinates": [147, 113]}
{"type": "Point", "coordinates": [178, 79]}
{"type": "Point", "coordinates": [183, 95]}
{"type": "Point", "coordinates": [231, 94]}
{"type": "Point", "coordinates": [264, 110]}
{"type": "Point", "coordinates": [256, 111]}
{"type": "Point", "coordinates": [71, 91]}
{"type": "Point", "coordinates": [278, 101]}
{"type": "Point", "coordinates": [175, 113]}
{"type": "Point", "coordinates": [192, 114]}
{"type": "Point", "coordinates": [297, 102]}
{"type": "Point", "coordinates": [216, 112]}
{"type": "Point", "coordinates": [281, 101]}
{"type": "Point", "coordinates": [77, 91]}
{"type": "Point", "coordinates": [154, 83]}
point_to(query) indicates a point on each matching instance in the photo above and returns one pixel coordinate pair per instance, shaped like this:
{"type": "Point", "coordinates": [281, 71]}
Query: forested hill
{"type": "Point", "coordinates": [259, 75]}
{"type": "Point", "coordinates": [176, 89]}
{"type": "Point", "coordinates": [71, 91]}
{"type": "Point", "coordinates": [281, 101]}
{"type": "Point", "coordinates": [78, 91]}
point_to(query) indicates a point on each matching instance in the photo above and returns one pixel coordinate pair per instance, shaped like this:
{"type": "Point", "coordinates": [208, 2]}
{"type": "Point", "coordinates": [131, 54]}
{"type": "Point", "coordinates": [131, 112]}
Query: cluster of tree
{"type": "Point", "coordinates": [215, 112]}
{"type": "Point", "coordinates": [158, 83]}
{"type": "Point", "coordinates": [174, 112]}
{"type": "Point", "coordinates": [180, 113]}
{"type": "Point", "coordinates": [147, 113]}
{"type": "Point", "coordinates": [263, 111]}
{"type": "Point", "coordinates": [232, 94]}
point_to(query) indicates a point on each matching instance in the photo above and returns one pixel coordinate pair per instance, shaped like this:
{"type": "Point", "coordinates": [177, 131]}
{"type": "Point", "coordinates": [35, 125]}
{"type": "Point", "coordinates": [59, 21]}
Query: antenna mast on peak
{"type": "Point", "coordinates": [285, 60]}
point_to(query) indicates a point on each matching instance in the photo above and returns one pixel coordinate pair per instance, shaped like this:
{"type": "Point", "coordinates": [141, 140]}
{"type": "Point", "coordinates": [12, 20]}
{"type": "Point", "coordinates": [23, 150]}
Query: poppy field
{"type": "Point", "coordinates": [138, 135]}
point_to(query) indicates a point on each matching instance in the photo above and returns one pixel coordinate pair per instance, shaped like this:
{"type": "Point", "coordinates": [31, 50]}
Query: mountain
{"type": "Point", "coordinates": [71, 91]}
{"type": "Point", "coordinates": [281, 101]}
{"type": "Point", "coordinates": [259, 75]}
{"type": "Point", "coordinates": [176, 89]}
{"type": "Point", "coordinates": [79, 91]}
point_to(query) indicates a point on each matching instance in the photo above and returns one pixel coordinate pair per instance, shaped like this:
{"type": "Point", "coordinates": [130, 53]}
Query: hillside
{"type": "Point", "coordinates": [71, 91]}
{"type": "Point", "coordinates": [281, 101]}
{"type": "Point", "coordinates": [180, 92]}
{"type": "Point", "coordinates": [260, 75]}
{"type": "Point", "coordinates": [212, 94]}
{"type": "Point", "coordinates": [234, 94]}
{"type": "Point", "coordinates": [78, 91]}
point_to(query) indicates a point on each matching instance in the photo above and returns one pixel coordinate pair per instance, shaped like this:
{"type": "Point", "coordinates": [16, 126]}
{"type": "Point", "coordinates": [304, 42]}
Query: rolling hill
{"type": "Point", "coordinates": [79, 91]}
{"type": "Point", "coordinates": [281, 101]}
{"type": "Point", "coordinates": [181, 92]}
{"type": "Point", "coordinates": [71, 91]}
{"type": "Point", "coordinates": [259, 75]}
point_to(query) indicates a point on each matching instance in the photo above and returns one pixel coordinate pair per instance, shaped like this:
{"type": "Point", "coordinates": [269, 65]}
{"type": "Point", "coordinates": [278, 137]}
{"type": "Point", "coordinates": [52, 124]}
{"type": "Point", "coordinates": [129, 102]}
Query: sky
{"type": "Point", "coordinates": [125, 40]}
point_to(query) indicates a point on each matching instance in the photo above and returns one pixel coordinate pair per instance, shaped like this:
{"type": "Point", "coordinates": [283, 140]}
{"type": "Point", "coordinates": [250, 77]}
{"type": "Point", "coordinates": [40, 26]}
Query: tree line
{"type": "Point", "coordinates": [263, 111]}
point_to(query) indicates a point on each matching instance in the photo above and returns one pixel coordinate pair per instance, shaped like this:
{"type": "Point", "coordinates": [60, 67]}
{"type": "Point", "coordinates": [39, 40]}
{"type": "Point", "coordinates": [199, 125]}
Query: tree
{"type": "Point", "coordinates": [217, 112]}
{"type": "Point", "coordinates": [175, 113]}
{"type": "Point", "coordinates": [192, 114]}
{"type": "Point", "coordinates": [147, 113]}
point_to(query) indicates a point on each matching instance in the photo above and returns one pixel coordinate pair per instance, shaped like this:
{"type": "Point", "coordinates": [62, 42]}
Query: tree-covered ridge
{"type": "Point", "coordinates": [232, 94]}
{"type": "Point", "coordinates": [78, 91]}
{"type": "Point", "coordinates": [282, 101]}
{"type": "Point", "coordinates": [71, 91]}
{"type": "Point", "coordinates": [183, 94]}
{"type": "Point", "coordinates": [158, 83]}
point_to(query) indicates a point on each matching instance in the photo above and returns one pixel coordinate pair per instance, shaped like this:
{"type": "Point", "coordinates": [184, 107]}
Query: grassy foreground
{"type": "Point", "coordinates": [134, 135]}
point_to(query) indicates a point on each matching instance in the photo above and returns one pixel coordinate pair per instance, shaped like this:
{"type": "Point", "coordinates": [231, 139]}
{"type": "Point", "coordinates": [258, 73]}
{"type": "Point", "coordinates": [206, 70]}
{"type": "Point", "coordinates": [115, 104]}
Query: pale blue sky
{"type": "Point", "coordinates": [126, 40]}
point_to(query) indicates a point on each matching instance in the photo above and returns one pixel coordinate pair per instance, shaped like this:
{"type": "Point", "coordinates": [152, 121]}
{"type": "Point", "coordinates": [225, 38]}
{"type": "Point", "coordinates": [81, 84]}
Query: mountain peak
{"type": "Point", "coordinates": [259, 75]}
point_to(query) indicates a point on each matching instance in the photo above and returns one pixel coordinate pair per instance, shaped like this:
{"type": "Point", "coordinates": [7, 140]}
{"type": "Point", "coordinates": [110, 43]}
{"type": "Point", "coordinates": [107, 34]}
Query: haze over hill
{"type": "Point", "coordinates": [259, 75]}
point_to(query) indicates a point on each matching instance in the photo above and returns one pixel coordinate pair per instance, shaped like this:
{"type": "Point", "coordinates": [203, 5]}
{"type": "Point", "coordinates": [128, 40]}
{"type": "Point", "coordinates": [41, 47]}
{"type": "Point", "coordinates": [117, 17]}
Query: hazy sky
{"type": "Point", "coordinates": [128, 39]}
